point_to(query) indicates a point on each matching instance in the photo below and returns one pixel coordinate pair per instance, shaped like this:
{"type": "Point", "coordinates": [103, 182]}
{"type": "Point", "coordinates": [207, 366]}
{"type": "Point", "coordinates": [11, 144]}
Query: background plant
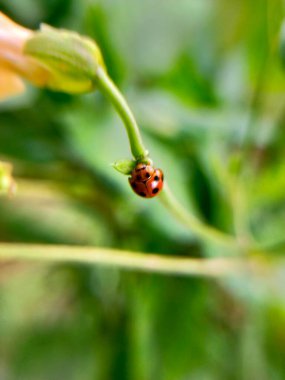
{"type": "Point", "coordinates": [209, 99]}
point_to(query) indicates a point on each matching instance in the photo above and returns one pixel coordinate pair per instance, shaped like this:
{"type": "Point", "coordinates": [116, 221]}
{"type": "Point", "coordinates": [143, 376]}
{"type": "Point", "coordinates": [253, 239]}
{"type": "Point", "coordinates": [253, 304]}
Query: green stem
{"type": "Point", "coordinates": [200, 229]}
{"type": "Point", "coordinates": [140, 153]}
{"type": "Point", "coordinates": [183, 266]}
{"type": "Point", "coordinates": [108, 87]}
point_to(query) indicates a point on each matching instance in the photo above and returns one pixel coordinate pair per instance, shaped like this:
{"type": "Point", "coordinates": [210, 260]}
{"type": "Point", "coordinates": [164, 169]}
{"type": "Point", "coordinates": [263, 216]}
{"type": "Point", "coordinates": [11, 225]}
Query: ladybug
{"type": "Point", "coordinates": [146, 181]}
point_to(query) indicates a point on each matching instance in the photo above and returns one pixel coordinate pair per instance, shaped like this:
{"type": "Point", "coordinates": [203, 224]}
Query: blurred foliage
{"type": "Point", "coordinates": [206, 83]}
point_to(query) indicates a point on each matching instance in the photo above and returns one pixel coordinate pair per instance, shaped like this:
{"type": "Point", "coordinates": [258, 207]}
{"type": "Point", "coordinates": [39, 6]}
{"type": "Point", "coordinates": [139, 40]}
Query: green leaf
{"type": "Point", "coordinates": [124, 166]}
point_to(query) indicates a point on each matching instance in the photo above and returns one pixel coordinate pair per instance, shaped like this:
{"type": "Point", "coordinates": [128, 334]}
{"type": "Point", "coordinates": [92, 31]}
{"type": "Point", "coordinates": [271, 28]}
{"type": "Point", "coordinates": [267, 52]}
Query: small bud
{"type": "Point", "coordinates": [124, 166]}
{"type": "Point", "coordinates": [7, 183]}
{"type": "Point", "coordinates": [71, 60]}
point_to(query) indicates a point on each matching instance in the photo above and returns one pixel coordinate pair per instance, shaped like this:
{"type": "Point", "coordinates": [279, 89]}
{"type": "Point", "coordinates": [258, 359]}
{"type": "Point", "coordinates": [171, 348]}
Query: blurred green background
{"type": "Point", "coordinates": [205, 80]}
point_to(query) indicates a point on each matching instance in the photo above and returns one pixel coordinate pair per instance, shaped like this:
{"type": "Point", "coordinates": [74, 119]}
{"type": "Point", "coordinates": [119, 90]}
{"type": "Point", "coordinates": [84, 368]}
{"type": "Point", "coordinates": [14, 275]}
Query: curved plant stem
{"type": "Point", "coordinates": [108, 87]}
{"type": "Point", "coordinates": [214, 267]}
{"type": "Point", "coordinates": [200, 229]}
{"type": "Point", "coordinates": [140, 153]}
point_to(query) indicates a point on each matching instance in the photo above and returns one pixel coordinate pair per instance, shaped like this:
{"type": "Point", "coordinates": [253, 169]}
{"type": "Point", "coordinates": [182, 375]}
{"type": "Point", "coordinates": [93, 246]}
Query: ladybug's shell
{"type": "Point", "coordinates": [155, 184]}
{"type": "Point", "coordinates": [142, 172]}
{"type": "Point", "coordinates": [149, 187]}
{"type": "Point", "coordinates": [139, 188]}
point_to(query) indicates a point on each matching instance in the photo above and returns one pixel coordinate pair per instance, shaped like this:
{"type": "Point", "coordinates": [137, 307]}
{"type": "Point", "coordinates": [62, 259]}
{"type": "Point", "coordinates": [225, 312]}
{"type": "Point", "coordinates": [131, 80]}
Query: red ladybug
{"type": "Point", "coordinates": [146, 181]}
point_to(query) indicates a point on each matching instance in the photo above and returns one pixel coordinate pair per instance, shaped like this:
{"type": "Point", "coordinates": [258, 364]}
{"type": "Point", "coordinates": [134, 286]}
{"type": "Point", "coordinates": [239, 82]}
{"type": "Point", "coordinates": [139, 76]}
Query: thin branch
{"type": "Point", "coordinates": [201, 230]}
{"type": "Point", "coordinates": [214, 267]}
{"type": "Point", "coordinates": [109, 89]}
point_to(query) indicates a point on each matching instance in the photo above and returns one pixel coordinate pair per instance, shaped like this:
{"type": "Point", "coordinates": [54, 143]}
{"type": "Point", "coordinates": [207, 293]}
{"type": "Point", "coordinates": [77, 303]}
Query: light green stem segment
{"type": "Point", "coordinates": [108, 87]}
{"type": "Point", "coordinates": [183, 266]}
{"type": "Point", "coordinates": [200, 229]}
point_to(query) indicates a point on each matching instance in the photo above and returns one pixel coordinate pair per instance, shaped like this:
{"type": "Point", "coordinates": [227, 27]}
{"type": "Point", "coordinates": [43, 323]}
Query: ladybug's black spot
{"type": "Point", "coordinates": [147, 175]}
{"type": "Point", "coordinates": [138, 177]}
{"type": "Point", "coordinates": [134, 185]}
{"type": "Point", "coordinates": [155, 190]}
{"type": "Point", "coordinates": [142, 194]}
{"type": "Point", "coordinates": [156, 178]}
